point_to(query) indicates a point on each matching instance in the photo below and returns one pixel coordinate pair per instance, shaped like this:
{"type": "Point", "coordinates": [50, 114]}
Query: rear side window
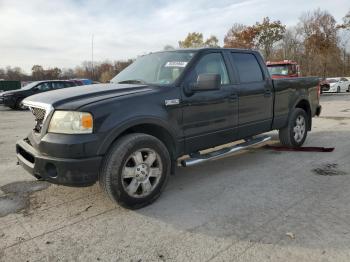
{"type": "Point", "coordinates": [58, 85]}
{"type": "Point", "coordinates": [44, 86]}
{"type": "Point", "coordinates": [69, 84]}
{"type": "Point", "coordinates": [248, 67]}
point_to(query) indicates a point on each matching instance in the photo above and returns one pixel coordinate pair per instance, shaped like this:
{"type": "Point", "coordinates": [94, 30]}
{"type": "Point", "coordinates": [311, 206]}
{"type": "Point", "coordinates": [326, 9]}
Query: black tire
{"type": "Point", "coordinates": [20, 106]}
{"type": "Point", "coordinates": [122, 151]}
{"type": "Point", "coordinates": [338, 89]}
{"type": "Point", "coordinates": [348, 89]}
{"type": "Point", "coordinates": [287, 134]}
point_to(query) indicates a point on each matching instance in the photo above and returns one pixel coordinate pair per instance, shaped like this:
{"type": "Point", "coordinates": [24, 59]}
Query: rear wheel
{"type": "Point", "coordinates": [294, 134]}
{"type": "Point", "coordinates": [348, 89]}
{"type": "Point", "coordinates": [135, 170]}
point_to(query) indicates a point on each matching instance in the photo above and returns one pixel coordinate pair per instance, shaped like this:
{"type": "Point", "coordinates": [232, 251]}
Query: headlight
{"type": "Point", "coordinates": [71, 122]}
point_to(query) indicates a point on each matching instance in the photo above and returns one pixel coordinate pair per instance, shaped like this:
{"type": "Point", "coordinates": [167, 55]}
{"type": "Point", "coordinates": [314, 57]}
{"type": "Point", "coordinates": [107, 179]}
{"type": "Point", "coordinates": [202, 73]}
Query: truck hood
{"type": "Point", "coordinates": [74, 97]}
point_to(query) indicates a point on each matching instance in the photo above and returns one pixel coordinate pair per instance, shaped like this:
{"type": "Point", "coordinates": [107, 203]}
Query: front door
{"type": "Point", "coordinates": [209, 117]}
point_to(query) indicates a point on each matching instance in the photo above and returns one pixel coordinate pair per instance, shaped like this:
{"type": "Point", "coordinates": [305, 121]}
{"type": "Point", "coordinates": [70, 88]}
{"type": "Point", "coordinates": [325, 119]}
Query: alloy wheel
{"type": "Point", "coordinates": [141, 173]}
{"type": "Point", "coordinates": [299, 129]}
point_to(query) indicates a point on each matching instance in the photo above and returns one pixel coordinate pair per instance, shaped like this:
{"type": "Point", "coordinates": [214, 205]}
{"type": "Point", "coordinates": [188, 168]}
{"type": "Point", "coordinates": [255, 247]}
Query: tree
{"type": "Point", "coordinates": [120, 65]}
{"type": "Point", "coordinates": [38, 72]}
{"type": "Point", "coordinates": [192, 40]}
{"type": "Point", "coordinates": [212, 41]}
{"type": "Point", "coordinates": [260, 36]}
{"type": "Point", "coordinates": [3, 74]}
{"type": "Point", "coordinates": [52, 73]}
{"type": "Point", "coordinates": [195, 40]}
{"type": "Point", "coordinates": [240, 36]}
{"type": "Point", "coordinates": [346, 22]}
{"type": "Point", "coordinates": [68, 73]}
{"type": "Point", "coordinates": [267, 34]}
{"type": "Point", "coordinates": [322, 53]}
{"type": "Point", "coordinates": [14, 73]}
{"type": "Point", "coordinates": [291, 45]}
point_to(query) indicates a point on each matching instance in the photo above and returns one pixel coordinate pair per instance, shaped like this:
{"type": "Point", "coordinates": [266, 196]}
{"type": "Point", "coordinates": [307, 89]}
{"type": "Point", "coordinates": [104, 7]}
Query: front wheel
{"type": "Point", "coordinates": [294, 134]}
{"type": "Point", "coordinates": [21, 106]}
{"type": "Point", "coordinates": [135, 170]}
{"type": "Point", "coordinates": [338, 89]}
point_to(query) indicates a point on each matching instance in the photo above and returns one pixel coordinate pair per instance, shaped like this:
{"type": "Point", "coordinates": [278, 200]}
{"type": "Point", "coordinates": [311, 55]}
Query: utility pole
{"type": "Point", "coordinates": [92, 57]}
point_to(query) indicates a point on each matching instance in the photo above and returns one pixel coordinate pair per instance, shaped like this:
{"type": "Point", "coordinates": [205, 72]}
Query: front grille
{"type": "Point", "coordinates": [39, 115]}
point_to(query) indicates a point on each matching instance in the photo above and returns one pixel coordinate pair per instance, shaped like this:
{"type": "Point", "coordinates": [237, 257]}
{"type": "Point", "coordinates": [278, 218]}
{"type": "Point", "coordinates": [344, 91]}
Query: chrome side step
{"type": "Point", "coordinates": [200, 158]}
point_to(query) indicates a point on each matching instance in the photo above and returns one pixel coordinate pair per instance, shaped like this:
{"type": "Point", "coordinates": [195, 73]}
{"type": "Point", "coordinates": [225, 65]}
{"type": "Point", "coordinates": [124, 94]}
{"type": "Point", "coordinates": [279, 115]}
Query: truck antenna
{"type": "Point", "coordinates": [92, 57]}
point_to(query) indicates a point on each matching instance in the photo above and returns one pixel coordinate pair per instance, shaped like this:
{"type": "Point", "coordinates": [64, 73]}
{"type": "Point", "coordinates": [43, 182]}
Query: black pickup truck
{"type": "Point", "coordinates": [130, 133]}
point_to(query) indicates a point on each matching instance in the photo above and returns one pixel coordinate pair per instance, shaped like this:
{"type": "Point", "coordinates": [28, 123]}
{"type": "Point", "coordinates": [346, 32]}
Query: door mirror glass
{"type": "Point", "coordinates": [206, 82]}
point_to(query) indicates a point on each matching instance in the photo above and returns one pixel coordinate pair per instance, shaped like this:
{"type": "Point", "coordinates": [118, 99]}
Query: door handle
{"type": "Point", "coordinates": [267, 93]}
{"type": "Point", "coordinates": [233, 97]}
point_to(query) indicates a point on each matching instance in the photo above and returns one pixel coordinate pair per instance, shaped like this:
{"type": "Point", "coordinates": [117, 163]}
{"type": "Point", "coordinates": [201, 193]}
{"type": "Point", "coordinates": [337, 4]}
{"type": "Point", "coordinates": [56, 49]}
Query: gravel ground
{"type": "Point", "coordinates": [259, 205]}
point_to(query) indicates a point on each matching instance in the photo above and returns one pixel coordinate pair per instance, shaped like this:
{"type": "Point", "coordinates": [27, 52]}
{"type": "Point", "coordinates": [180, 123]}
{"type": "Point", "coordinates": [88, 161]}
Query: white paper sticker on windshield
{"type": "Point", "coordinates": [175, 64]}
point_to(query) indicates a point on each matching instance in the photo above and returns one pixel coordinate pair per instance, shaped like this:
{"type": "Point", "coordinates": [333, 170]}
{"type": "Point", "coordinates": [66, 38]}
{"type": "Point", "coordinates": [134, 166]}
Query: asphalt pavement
{"type": "Point", "coordinates": [258, 205]}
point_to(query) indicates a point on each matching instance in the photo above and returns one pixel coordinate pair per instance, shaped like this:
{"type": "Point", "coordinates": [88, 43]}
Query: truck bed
{"type": "Point", "coordinates": [289, 91]}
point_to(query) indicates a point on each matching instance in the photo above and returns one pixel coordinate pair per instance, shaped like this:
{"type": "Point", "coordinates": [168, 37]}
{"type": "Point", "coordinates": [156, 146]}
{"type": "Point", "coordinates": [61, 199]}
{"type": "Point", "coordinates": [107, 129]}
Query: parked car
{"type": "Point", "coordinates": [324, 84]}
{"type": "Point", "coordinates": [14, 98]}
{"type": "Point", "coordinates": [348, 78]}
{"type": "Point", "coordinates": [338, 85]}
{"type": "Point", "coordinates": [129, 134]}
{"type": "Point", "coordinates": [83, 81]}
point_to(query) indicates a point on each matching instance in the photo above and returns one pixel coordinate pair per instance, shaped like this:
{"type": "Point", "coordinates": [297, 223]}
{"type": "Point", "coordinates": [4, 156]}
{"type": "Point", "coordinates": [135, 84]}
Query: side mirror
{"type": "Point", "coordinates": [35, 89]}
{"type": "Point", "coordinates": [206, 82]}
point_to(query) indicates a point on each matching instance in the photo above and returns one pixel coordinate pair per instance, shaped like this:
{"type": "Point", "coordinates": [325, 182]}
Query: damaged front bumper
{"type": "Point", "coordinates": [62, 171]}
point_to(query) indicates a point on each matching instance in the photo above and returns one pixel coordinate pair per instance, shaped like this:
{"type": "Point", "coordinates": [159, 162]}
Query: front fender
{"type": "Point", "coordinates": [141, 120]}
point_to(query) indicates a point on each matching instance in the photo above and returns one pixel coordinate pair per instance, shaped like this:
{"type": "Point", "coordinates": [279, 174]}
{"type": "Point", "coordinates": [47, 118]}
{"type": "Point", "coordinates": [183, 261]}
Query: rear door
{"type": "Point", "coordinates": [255, 109]}
{"type": "Point", "coordinates": [209, 117]}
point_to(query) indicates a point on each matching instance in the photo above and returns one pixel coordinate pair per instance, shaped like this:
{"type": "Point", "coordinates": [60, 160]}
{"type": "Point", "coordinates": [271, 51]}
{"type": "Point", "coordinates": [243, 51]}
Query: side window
{"type": "Point", "coordinates": [58, 85]}
{"type": "Point", "coordinates": [211, 64]}
{"type": "Point", "coordinates": [68, 84]}
{"type": "Point", "coordinates": [248, 67]}
{"type": "Point", "coordinates": [44, 86]}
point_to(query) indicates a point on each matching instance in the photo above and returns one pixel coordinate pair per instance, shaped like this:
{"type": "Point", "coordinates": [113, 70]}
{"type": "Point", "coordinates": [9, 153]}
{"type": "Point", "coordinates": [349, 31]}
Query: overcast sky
{"type": "Point", "coordinates": [58, 33]}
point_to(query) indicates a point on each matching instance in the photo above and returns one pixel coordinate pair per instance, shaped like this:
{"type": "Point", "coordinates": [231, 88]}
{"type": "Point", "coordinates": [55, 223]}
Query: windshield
{"type": "Point", "coordinates": [332, 80]}
{"type": "Point", "coordinates": [156, 68]}
{"type": "Point", "coordinates": [280, 70]}
{"type": "Point", "coordinates": [30, 85]}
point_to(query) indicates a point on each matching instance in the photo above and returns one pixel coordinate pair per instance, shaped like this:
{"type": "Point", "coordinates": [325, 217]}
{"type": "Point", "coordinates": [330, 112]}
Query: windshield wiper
{"type": "Point", "coordinates": [132, 81]}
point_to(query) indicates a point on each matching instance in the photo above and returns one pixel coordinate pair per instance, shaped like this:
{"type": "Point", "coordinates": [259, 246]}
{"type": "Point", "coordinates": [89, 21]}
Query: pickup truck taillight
{"type": "Point", "coordinates": [318, 91]}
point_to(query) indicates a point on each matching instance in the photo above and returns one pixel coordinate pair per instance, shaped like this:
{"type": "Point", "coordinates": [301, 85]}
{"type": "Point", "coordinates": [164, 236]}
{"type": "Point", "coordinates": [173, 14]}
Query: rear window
{"type": "Point", "coordinates": [248, 67]}
{"type": "Point", "coordinates": [332, 80]}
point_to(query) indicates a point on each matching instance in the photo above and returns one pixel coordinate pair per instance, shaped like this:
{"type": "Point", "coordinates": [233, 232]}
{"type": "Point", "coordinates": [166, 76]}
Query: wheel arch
{"type": "Point", "coordinates": [151, 126]}
{"type": "Point", "coordinates": [305, 105]}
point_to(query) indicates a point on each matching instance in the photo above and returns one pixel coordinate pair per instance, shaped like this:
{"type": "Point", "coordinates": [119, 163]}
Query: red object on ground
{"type": "Point", "coordinates": [301, 149]}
